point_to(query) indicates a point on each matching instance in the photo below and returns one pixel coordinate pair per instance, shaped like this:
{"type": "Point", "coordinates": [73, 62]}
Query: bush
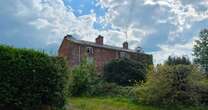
{"type": "Point", "coordinates": [29, 79]}
{"type": "Point", "coordinates": [104, 88]}
{"type": "Point", "coordinates": [111, 89]}
{"type": "Point", "coordinates": [82, 79]}
{"type": "Point", "coordinates": [85, 82]}
{"type": "Point", "coordinates": [124, 72]}
{"type": "Point", "coordinates": [171, 85]}
{"type": "Point", "coordinates": [203, 91]}
{"type": "Point", "coordinates": [201, 88]}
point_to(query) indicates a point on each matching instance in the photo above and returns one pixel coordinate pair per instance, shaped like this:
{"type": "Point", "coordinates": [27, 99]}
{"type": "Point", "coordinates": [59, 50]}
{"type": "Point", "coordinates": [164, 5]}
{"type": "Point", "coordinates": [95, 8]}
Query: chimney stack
{"type": "Point", "coordinates": [99, 40]}
{"type": "Point", "coordinates": [125, 45]}
{"type": "Point", "coordinates": [68, 36]}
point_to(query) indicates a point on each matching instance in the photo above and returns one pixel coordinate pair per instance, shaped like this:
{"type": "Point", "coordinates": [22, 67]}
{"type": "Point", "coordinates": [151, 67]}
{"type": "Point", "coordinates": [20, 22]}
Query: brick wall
{"type": "Point", "coordinates": [74, 53]}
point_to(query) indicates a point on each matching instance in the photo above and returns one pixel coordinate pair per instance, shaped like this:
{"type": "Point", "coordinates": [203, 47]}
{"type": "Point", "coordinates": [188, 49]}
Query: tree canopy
{"type": "Point", "coordinates": [173, 60]}
{"type": "Point", "coordinates": [201, 50]}
{"type": "Point", "coordinates": [124, 71]}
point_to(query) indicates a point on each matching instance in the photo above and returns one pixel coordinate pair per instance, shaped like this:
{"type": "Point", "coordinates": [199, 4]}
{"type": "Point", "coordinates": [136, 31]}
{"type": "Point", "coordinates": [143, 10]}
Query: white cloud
{"type": "Point", "coordinates": [184, 49]}
{"type": "Point", "coordinates": [43, 23]}
{"type": "Point", "coordinates": [125, 17]}
{"type": "Point", "coordinates": [181, 13]}
{"type": "Point", "coordinates": [157, 2]}
{"type": "Point", "coordinates": [147, 16]}
{"type": "Point", "coordinates": [40, 23]}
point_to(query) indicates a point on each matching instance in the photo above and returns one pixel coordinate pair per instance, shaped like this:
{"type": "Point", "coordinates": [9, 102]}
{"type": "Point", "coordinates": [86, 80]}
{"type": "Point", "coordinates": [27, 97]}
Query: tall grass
{"type": "Point", "coordinates": [103, 103]}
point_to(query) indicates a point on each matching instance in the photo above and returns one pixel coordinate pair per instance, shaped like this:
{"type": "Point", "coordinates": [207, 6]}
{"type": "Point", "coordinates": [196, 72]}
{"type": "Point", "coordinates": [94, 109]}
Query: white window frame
{"type": "Point", "coordinates": [90, 51]}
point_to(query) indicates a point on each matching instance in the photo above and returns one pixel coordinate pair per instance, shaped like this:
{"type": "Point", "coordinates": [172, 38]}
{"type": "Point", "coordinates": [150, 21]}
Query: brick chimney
{"type": "Point", "coordinates": [68, 36]}
{"type": "Point", "coordinates": [125, 45]}
{"type": "Point", "coordinates": [99, 40]}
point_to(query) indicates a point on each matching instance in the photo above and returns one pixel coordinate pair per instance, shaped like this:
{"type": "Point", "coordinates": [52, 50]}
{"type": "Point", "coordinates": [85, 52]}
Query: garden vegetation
{"type": "Point", "coordinates": [31, 79]}
{"type": "Point", "coordinates": [124, 71]}
{"type": "Point", "coordinates": [173, 85]}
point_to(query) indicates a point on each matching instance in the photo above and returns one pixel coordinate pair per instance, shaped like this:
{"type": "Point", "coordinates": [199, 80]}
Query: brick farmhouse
{"type": "Point", "coordinates": [75, 50]}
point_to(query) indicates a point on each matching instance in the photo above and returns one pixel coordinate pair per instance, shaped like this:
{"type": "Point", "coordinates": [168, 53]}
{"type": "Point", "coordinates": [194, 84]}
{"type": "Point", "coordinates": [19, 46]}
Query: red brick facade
{"type": "Point", "coordinates": [75, 50]}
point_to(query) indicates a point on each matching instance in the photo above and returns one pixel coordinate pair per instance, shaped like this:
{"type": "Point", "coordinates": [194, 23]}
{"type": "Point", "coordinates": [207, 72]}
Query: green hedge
{"type": "Point", "coordinates": [124, 72]}
{"type": "Point", "coordinates": [29, 79]}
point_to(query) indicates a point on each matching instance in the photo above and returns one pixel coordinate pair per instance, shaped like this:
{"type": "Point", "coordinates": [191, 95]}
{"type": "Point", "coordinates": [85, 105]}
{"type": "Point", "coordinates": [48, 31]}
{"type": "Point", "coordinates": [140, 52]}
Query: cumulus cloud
{"type": "Point", "coordinates": [173, 50]}
{"type": "Point", "coordinates": [166, 25]}
{"type": "Point", "coordinates": [41, 23]}
{"type": "Point", "coordinates": [161, 27]}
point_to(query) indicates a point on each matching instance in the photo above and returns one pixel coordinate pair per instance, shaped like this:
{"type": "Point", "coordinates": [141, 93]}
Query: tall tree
{"type": "Point", "coordinates": [201, 50]}
{"type": "Point", "coordinates": [173, 60]}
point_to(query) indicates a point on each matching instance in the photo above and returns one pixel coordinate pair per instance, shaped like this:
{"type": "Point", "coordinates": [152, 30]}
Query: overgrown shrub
{"type": "Point", "coordinates": [171, 85]}
{"type": "Point", "coordinates": [29, 79]}
{"type": "Point", "coordinates": [85, 82]}
{"type": "Point", "coordinates": [200, 87]}
{"type": "Point", "coordinates": [82, 79]}
{"type": "Point", "coordinates": [104, 88]}
{"type": "Point", "coordinates": [124, 71]}
{"type": "Point", "coordinates": [203, 91]}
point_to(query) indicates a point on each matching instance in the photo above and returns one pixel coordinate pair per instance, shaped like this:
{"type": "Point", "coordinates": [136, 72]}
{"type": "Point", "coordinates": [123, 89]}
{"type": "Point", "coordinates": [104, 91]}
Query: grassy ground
{"type": "Point", "coordinates": [117, 104]}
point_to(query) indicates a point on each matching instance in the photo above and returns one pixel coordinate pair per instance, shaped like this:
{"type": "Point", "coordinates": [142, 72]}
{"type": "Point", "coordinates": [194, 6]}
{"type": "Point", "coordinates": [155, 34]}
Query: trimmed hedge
{"type": "Point", "coordinates": [29, 79]}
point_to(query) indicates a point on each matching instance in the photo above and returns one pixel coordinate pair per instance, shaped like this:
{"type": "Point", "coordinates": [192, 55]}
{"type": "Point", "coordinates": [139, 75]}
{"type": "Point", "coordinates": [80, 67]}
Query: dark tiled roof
{"type": "Point", "coordinates": [82, 42]}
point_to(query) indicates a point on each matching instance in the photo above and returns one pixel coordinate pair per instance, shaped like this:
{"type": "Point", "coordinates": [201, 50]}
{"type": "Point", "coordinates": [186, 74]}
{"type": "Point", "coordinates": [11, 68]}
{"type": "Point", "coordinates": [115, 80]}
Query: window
{"type": "Point", "coordinates": [89, 55]}
{"type": "Point", "coordinates": [124, 55]}
{"type": "Point", "coordinates": [89, 51]}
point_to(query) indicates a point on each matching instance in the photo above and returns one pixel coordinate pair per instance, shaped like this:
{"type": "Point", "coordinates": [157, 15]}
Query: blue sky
{"type": "Point", "coordinates": [161, 27]}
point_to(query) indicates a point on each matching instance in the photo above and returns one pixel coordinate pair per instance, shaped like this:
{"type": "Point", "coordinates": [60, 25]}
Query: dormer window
{"type": "Point", "coordinates": [89, 51]}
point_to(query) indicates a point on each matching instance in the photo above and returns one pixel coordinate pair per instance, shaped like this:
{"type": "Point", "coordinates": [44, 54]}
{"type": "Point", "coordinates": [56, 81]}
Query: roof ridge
{"type": "Point", "coordinates": [84, 42]}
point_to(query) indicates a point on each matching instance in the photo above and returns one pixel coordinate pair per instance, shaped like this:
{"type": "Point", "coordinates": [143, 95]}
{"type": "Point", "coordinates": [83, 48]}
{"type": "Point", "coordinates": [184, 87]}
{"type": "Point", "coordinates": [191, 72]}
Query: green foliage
{"type": "Point", "coordinates": [201, 50]}
{"type": "Point", "coordinates": [85, 82]}
{"type": "Point", "coordinates": [111, 89]}
{"type": "Point", "coordinates": [82, 79]}
{"type": "Point", "coordinates": [29, 79]}
{"type": "Point", "coordinates": [103, 88]}
{"type": "Point", "coordinates": [177, 60]}
{"type": "Point", "coordinates": [171, 85]}
{"type": "Point", "coordinates": [201, 88]}
{"type": "Point", "coordinates": [124, 71]}
{"type": "Point", "coordinates": [120, 103]}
